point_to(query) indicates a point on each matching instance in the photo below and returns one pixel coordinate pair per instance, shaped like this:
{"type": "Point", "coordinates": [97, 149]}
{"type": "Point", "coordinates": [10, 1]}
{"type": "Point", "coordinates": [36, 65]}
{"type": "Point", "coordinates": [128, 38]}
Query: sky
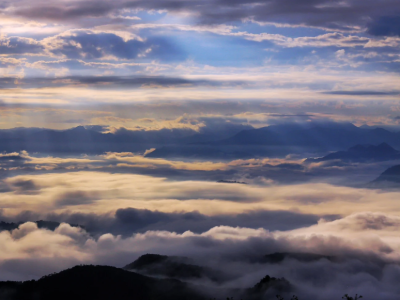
{"type": "Point", "coordinates": [121, 63]}
{"type": "Point", "coordinates": [123, 117]}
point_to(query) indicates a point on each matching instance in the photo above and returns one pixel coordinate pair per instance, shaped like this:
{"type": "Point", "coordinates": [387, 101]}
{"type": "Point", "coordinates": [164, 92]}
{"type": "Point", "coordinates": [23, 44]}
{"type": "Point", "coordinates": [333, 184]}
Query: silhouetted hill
{"type": "Point", "coordinates": [104, 283]}
{"type": "Point", "coordinates": [196, 152]}
{"type": "Point", "coordinates": [98, 282]}
{"type": "Point", "coordinates": [361, 153]}
{"type": "Point", "coordinates": [388, 179]}
{"type": "Point", "coordinates": [173, 267]}
{"type": "Point", "coordinates": [267, 283]}
{"type": "Point", "coordinates": [268, 288]}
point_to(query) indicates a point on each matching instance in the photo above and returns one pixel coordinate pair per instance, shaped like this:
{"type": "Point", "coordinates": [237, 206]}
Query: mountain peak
{"type": "Point", "coordinates": [390, 178]}
{"type": "Point", "coordinates": [78, 128]}
{"type": "Point", "coordinates": [146, 260]}
{"type": "Point", "coordinates": [385, 146]}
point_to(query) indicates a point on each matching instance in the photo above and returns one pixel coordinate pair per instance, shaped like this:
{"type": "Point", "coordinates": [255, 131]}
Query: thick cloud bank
{"type": "Point", "coordinates": [368, 264]}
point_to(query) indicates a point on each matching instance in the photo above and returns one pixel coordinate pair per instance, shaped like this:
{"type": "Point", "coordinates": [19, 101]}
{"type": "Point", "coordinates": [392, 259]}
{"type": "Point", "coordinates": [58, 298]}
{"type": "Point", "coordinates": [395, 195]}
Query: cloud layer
{"type": "Point", "coordinates": [371, 270]}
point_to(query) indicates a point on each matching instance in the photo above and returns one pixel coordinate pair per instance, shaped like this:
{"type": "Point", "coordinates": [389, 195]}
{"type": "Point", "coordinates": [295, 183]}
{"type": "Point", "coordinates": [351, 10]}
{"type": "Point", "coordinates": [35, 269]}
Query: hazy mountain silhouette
{"type": "Point", "coordinates": [316, 135]}
{"type": "Point", "coordinates": [361, 153]}
{"type": "Point", "coordinates": [196, 152]}
{"type": "Point", "coordinates": [91, 139]}
{"type": "Point", "coordinates": [390, 178]}
{"type": "Point", "coordinates": [280, 140]}
{"type": "Point", "coordinates": [210, 143]}
{"type": "Point", "coordinates": [174, 267]}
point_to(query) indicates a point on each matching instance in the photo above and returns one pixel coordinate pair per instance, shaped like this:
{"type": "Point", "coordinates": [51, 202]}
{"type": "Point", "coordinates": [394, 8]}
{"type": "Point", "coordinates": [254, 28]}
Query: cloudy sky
{"type": "Point", "coordinates": [134, 63]}
{"type": "Point", "coordinates": [141, 76]}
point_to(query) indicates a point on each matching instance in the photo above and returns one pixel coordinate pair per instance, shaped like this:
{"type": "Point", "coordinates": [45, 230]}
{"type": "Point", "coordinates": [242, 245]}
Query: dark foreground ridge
{"type": "Point", "coordinates": [156, 281]}
{"type": "Point", "coordinates": [103, 282]}
{"type": "Point", "coordinates": [98, 282]}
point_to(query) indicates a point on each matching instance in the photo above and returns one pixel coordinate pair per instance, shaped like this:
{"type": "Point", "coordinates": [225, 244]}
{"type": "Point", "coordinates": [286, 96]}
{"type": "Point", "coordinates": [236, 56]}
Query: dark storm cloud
{"type": "Point", "coordinates": [95, 45]}
{"type": "Point", "coordinates": [130, 220]}
{"type": "Point", "coordinates": [4, 187]}
{"type": "Point", "coordinates": [331, 14]}
{"type": "Point", "coordinates": [19, 45]}
{"type": "Point", "coordinates": [90, 45]}
{"type": "Point", "coordinates": [139, 81]}
{"type": "Point", "coordinates": [26, 187]}
{"type": "Point", "coordinates": [66, 11]}
{"type": "Point", "coordinates": [385, 26]}
{"type": "Point", "coordinates": [109, 81]}
{"type": "Point", "coordinates": [76, 198]}
{"type": "Point", "coordinates": [362, 93]}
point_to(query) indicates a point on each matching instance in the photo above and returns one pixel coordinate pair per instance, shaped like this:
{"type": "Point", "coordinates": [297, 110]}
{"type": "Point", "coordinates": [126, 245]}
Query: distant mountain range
{"type": "Point", "coordinates": [95, 139]}
{"type": "Point", "coordinates": [198, 152]}
{"type": "Point", "coordinates": [316, 135]}
{"type": "Point", "coordinates": [236, 142]}
{"type": "Point", "coordinates": [362, 153]}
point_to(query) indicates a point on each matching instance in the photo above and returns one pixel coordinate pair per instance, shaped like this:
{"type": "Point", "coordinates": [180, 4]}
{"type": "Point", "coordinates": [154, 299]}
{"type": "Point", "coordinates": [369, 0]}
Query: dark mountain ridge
{"type": "Point", "coordinates": [219, 142]}
{"type": "Point", "coordinates": [197, 152]}
{"type": "Point", "coordinates": [104, 283]}
{"type": "Point", "coordinates": [98, 282]}
{"type": "Point", "coordinates": [390, 178]}
{"type": "Point", "coordinates": [362, 153]}
{"type": "Point", "coordinates": [330, 135]}
{"type": "Point", "coordinates": [89, 139]}
{"type": "Point", "coordinates": [174, 267]}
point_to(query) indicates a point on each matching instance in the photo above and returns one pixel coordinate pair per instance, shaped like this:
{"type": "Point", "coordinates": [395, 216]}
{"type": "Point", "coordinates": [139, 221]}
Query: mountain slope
{"type": "Point", "coordinates": [98, 282]}
{"type": "Point", "coordinates": [360, 153]}
{"type": "Point", "coordinates": [330, 136]}
{"type": "Point", "coordinates": [174, 267]}
{"type": "Point", "coordinates": [196, 152]}
{"type": "Point", "coordinates": [390, 178]}
{"type": "Point", "coordinates": [105, 283]}
{"type": "Point", "coordinates": [90, 139]}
